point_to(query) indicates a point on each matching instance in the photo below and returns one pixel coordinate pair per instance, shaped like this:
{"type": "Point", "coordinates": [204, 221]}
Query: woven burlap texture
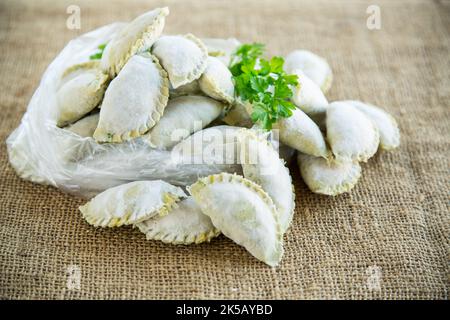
{"type": "Point", "coordinates": [388, 238]}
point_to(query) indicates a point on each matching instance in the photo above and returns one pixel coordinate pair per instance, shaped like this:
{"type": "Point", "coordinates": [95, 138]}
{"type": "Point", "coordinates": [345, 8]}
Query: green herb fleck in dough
{"type": "Point", "coordinates": [98, 55]}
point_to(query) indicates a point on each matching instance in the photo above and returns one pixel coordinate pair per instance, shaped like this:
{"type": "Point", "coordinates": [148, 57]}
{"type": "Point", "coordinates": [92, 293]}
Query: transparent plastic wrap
{"type": "Point", "coordinates": [43, 153]}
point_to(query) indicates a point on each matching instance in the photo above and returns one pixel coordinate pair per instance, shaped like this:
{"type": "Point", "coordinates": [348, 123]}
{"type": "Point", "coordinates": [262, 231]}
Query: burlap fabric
{"type": "Point", "coordinates": [388, 238]}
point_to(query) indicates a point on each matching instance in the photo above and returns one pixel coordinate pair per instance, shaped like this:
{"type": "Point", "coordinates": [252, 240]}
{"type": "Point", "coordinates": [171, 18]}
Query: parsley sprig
{"type": "Point", "coordinates": [99, 53]}
{"type": "Point", "coordinates": [263, 83]}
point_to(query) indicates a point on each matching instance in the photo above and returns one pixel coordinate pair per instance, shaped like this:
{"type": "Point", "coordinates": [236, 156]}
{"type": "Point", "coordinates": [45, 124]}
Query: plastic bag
{"type": "Point", "coordinates": [41, 152]}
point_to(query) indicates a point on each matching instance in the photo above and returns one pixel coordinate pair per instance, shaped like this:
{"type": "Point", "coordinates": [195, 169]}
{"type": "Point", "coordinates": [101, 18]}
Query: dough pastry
{"type": "Point", "coordinates": [136, 37]}
{"type": "Point", "coordinates": [183, 57]}
{"type": "Point", "coordinates": [328, 177]}
{"type": "Point", "coordinates": [243, 212]}
{"type": "Point", "coordinates": [131, 203]}
{"type": "Point", "coordinates": [184, 224]}
{"type": "Point", "coordinates": [134, 101]}
{"type": "Point", "coordinates": [351, 134]}
{"type": "Point", "coordinates": [262, 165]}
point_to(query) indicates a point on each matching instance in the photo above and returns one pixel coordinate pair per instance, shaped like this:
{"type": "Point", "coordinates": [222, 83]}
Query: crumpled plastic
{"type": "Point", "coordinates": [41, 152]}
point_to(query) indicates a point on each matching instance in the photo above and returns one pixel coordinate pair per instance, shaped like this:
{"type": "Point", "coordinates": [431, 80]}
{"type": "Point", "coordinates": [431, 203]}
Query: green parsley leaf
{"type": "Point", "coordinates": [248, 52]}
{"type": "Point", "coordinates": [276, 65]}
{"type": "Point", "coordinates": [263, 83]}
{"type": "Point", "coordinates": [259, 84]}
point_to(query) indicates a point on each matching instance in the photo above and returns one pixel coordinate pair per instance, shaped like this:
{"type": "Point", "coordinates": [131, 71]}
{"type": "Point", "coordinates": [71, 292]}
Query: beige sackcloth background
{"type": "Point", "coordinates": [388, 238]}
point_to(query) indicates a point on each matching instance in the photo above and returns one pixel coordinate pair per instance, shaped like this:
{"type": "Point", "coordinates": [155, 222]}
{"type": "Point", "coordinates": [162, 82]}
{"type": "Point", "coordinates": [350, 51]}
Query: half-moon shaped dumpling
{"type": "Point", "coordinates": [182, 117]}
{"type": "Point", "coordinates": [134, 101]}
{"type": "Point", "coordinates": [131, 203]}
{"type": "Point", "coordinates": [86, 126]}
{"type": "Point", "coordinates": [189, 89]}
{"type": "Point", "coordinates": [301, 133]}
{"type": "Point", "coordinates": [216, 81]}
{"type": "Point", "coordinates": [262, 165]}
{"type": "Point", "coordinates": [315, 67]}
{"type": "Point", "coordinates": [308, 96]}
{"type": "Point", "coordinates": [183, 57]}
{"type": "Point", "coordinates": [237, 115]}
{"type": "Point", "coordinates": [184, 224]}
{"type": "Point", "coordinates": [386, 124]}
{"type": "Point", "coordinates": [352, 135]}
{"type": "Point", "coordinates": [81, 90]}
{"type": "Point", "coordinates": [328, 177]}
{"type": "Point", "coordinates": [136, 37]}
{"type": "Point", "coordinates": [222, 49]}
{"type": "Point", "coordinates": [243, 212]}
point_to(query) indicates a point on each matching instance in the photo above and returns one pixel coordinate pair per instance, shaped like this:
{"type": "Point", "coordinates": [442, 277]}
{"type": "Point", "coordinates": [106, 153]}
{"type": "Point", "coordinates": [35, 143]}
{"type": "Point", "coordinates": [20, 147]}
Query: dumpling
{"type": "Point", "coordinates": [328, 177]}
{"type": "Point", "coordinates": [81, 90]}
{"type": "Point", "coordinates": [262, 165]}
{"type": "Point", "coordinates": [189, 89]}
{"type": "Point", "coordinates": [237, 115]}
{"type": "Point", "coordinates": [131, 203]}
{"type": "Point", "coordinates": [243, 212]}
{"type": "Point", "coordinates": [134, 101]}
{"type": "Point", "coordinates": [386, 124]}
{"type": "Point", "coordinates": [216, 81]}
{"type": "Point", "coordinates": [314, 67]}
{"type": "Point", "coordinates": [136, 37]}
{"type": "Point", "coordinates": [183, 116]}
{"type": "Point", "coordinates": [86, 126]}
{"type": "Point", "coordinates": [301, 133]}
{"type": "Point", "coordinates": [184, 224]}
{"type": "Point", "coordinates": [352, 135]}
{"type": "Point", "coordinates": [183, 57]}
{"type": "Point", "coordinates": [308, 96]}
{"type": "Point", "coordinates": [222, 49]}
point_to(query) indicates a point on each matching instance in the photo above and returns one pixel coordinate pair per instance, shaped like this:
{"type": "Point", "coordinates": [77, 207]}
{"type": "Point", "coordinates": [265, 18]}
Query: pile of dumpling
{"type": "Point", "coordinates": [149, 85]}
